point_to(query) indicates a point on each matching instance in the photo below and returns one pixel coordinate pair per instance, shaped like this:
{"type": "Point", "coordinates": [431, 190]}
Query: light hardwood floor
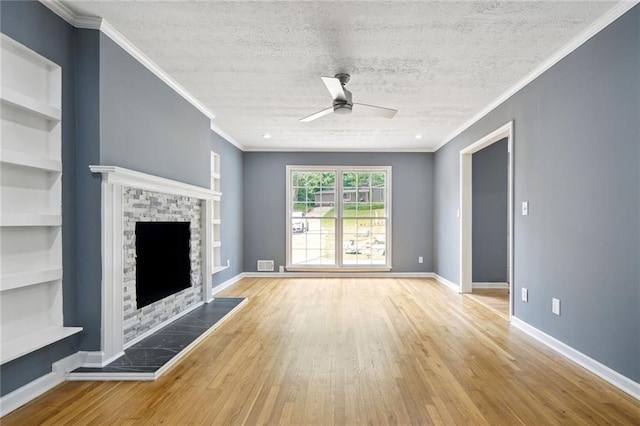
{"type": "Point", "coordinates": [350, 352]}
{"type": "Point", "coordinates": [493, 298]}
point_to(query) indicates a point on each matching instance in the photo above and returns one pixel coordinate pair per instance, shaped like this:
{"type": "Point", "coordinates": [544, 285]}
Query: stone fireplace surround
{"type": "Point", "coordinates": [127, 197]}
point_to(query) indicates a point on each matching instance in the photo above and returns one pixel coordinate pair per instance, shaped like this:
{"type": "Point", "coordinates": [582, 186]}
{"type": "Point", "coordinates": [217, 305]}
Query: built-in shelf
{"type": "Point", "coordinates": [30, 342]}
{"type": "Point", "coordinates": [27, 278]}
{"type": "Point", "coordinates": [16, 99]}
{"type": "Point", "coordinates": [26, 219]}
{"type": "Point", "coordinates": [26, 160]}
{"type": "Point", "coordinates": [31, 291]}
{"type": "Point", "coordinates": [217, 269]}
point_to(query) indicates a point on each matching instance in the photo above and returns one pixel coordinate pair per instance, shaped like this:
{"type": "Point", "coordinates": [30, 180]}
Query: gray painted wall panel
{"type": "Point", "coordinates": [88, 198]}
{"type": "Point", "coordinates": [412, 204]}
{"type": "Point", "coordinates": [577, 162]}
{"type": "Point", "coordinates": [35, 26]}
{"type": "Point", "coordinates": [490, 186]}
{"type": "Point", "coordinates": [231, 180]}
{"type": "Point", "coordinates": [145, 125]}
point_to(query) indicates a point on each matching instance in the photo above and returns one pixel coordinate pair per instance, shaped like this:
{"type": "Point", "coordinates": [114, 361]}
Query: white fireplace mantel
{"type": "Point", "coordinates": [120, 176]}
{"type": "Point", "coordinates": [114, 179]}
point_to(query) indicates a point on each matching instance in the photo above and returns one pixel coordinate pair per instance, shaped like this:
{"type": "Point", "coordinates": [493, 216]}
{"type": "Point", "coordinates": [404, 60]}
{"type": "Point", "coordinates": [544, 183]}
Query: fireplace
{"type": "Point", "coordinates": [170, 222]}
{"type": "Point", "coordinates": [130, 201]}
{"type": "Point", "coordinates": [162, 260]}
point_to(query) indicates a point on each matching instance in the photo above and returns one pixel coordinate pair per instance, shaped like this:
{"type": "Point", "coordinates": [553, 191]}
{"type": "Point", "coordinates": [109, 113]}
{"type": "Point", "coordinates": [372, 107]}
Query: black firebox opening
{"type": "Point", "coordinates": [162, 260]}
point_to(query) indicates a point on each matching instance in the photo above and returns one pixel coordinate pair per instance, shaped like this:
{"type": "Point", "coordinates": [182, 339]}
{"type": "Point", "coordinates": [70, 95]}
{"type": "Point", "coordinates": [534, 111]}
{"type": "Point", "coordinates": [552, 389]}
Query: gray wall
{"type": "Point", "coordinates": [231, 212]}
{"type": "Point", "coordinates": [412, 204]}
{"type": "Point", "coordinates": [490, 186]}
{"type": "Point", "coordinates": [145, 125]}
{"type": "Point", "coordinates": [36, 27]}
{"type": "Point", "coordinates": [577, 162]}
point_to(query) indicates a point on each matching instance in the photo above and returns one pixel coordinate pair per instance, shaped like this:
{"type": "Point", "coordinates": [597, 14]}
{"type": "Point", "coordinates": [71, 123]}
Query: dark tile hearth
{"type": "Point", "coordinates": [151, 354]}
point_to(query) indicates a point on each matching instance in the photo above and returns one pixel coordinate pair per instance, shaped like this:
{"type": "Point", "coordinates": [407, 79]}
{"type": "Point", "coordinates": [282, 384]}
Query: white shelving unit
{"type": "Point", "coordinates": [216, 241]}
{"type": "Point", "coordinates": [30, 203]}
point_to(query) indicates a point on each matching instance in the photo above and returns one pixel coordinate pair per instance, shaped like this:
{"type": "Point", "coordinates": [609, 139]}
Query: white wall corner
{"type": "Point", "coordinates": [446, 282]}
{"type": "Point", "coordinates": [34, 389]}
{"type": "Point", "coordinates": [623, 383]}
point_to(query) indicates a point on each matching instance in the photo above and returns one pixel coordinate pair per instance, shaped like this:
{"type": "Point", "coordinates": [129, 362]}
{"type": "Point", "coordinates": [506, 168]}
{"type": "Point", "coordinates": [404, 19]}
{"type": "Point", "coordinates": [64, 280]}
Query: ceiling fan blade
{"type": "Point", "coordinates": [335, 88]}
{"type": "Point", "coordinates": [317, 115]}
{"type": "Point", "coordinates": [375, 110]}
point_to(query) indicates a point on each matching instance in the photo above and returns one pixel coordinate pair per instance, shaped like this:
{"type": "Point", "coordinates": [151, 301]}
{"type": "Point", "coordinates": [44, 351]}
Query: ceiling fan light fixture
{"type": "Point", "coordinates": [266, 136]}
{"type": "Point", "coordinates": [342, 109]}
{"type": "Point", "coordinates": [418, 136]}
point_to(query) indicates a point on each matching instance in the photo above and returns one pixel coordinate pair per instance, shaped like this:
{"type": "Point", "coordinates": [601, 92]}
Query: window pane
{"type": "Point", "coordinates": [312, 240]}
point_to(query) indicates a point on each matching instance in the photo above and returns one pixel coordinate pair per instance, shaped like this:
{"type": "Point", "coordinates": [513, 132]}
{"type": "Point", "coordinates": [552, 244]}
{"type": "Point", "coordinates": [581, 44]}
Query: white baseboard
{"type": "Point", "coordinates": [34, 389]}
{"type": "Point", "coordinates": [228, 283]}
{"type": "Point", "coordinates": [338, 274]}
{"type": "Point", "coordinates": [96, 359]}
{"type": "Point", "coordinates": [446, 282]}
{"type": "Point", "coordinates": [489, 285]}
{"type": "Point", "coordinates": [623, 383]}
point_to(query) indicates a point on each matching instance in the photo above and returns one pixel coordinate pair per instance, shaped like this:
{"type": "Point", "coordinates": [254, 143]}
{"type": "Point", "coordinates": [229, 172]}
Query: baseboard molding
{"type": "Point", "coordinates": [338, 274]}
{"type": "Point", "coordinates": [616, 379]}
{"type": "Point", "coordinates": [489, 285]}
{"type": "Point", "coordinates": [34, 389]}
{"type": "Point", "coordinates": [96, 359]}
{"type": "Point", "coordinates": [228, 283]}
{"type": "Point", "coordinates": [447, 283]}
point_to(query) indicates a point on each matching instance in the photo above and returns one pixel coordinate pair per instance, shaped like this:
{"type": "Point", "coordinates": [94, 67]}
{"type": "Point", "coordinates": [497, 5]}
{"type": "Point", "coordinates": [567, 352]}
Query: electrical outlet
{"type": "Point", "coordinates": [420, 259]}
{"type": "Point", "coordinates": [525, 208]}
{"type": "Point", "coordinates": [458, 213]}
{"type": "Point", "coordinates": [555, 306]}
{"type": "Point", "coordinates": [525, 295]}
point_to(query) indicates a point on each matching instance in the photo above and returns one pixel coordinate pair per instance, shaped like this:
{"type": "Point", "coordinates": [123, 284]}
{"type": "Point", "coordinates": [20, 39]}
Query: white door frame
{"type": "Point", "coordinates": [466, 216]}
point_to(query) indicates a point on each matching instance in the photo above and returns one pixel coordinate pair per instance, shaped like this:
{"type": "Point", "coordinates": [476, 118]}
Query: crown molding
{"type": "Point", "coordinates": [389, 150]}
{"type": "Point", "coordinates": [226, 136]}
{"type": "Point", "coordinates": [601, 23]}
{"type": "Point", "coordinates": [100, 24]}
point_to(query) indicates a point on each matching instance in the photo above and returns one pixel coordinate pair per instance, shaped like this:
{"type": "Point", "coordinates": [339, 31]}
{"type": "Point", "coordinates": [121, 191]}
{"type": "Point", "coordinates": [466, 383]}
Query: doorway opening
{"type": "Point", "coordinates": [492, 272]}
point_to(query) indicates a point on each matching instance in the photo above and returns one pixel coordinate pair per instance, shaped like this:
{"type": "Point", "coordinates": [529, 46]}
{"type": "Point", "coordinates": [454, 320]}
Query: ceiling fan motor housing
{"type": "Point", "coordinates": [343, 107]}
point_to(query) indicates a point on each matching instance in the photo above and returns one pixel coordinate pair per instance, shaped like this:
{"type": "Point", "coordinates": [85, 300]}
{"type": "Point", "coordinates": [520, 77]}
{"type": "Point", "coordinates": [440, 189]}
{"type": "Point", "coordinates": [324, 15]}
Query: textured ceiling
{"type": "Point", "coordinates": [257, 65]}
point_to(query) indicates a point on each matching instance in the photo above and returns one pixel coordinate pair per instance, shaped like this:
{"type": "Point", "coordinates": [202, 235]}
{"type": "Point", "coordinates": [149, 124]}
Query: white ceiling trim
{"type": "Point", "coordinates": [226, 136]}
{"type": "Point", "coordinates": [601, 23]}
{"type": "Point", "coordinates": [250, 149]}
{"type": "Point", "coordinates": [94, 23]}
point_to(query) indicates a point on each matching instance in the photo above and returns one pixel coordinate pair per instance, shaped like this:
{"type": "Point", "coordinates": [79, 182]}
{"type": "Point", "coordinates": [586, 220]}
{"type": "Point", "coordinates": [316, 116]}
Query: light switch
{"type": "Point", "coordinates": [555, 306]}
{"type": "Point", "coordinates": [525, 208]}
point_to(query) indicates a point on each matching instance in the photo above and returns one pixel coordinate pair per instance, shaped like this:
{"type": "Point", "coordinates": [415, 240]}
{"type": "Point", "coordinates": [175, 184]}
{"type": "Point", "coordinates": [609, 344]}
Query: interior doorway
{"type": "Point", "coordinates": [490, 289]}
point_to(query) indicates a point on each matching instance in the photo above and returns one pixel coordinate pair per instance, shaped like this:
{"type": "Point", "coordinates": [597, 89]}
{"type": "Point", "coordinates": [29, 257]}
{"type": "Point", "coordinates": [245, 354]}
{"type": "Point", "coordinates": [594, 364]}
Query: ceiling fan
{"type": "Point", "coordinates": [343, 103]}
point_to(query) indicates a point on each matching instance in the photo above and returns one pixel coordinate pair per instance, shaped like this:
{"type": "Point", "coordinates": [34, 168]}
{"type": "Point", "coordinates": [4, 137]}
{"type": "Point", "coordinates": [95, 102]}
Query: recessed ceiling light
{"type": "Point", "coordinates": [418, 136]}
{"type": "Point", "coordinates": [266, 136]}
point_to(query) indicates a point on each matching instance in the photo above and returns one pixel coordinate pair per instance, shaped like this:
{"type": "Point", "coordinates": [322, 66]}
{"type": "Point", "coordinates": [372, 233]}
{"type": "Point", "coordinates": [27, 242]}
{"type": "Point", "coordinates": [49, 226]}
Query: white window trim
{"type": "Point", "coordinates": [338, 209]}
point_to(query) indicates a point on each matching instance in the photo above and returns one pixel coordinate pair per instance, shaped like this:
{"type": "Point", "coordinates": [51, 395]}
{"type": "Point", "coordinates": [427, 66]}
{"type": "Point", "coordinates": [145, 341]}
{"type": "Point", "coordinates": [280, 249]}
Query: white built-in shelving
{"type": "Point", "coordinates": [30, 203]}
{"type": "Point", "coordinates": [216, 223]}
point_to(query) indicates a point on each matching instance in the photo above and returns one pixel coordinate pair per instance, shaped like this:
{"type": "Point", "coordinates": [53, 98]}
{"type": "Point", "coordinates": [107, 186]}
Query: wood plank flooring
{"type": "Point", "coordinates": [493, 298]}
{"type": "Point", "coordinates": [350, 352]}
